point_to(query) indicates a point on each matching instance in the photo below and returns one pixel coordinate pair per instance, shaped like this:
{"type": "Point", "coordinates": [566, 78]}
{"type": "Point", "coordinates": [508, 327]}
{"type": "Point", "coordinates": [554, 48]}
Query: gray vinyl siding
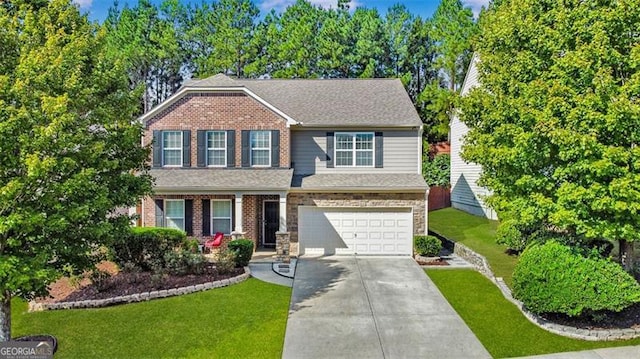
{"type": "Point", "coordinates": [401, 152]}
{"type": "Point", "coordinates": [466, 194]}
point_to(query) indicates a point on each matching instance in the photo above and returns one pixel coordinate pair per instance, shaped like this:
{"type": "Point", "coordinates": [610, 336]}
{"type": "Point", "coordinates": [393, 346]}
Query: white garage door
{"type": "Point", "coordinates": [371, 231]}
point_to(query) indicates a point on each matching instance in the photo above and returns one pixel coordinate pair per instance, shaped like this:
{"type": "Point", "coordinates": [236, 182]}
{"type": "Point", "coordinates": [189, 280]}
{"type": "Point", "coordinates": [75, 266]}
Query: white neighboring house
{"type": "Point", "coordinates": [466, 194]}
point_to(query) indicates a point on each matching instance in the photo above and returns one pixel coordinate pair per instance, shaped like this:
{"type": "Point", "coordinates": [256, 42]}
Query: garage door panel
{"type": "Point", "coordinates": [370, 231]}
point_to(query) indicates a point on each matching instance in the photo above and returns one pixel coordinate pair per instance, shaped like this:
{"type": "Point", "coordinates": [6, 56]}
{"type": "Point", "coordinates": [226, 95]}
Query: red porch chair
{"type": "Point", "coordinates": [215, 242]}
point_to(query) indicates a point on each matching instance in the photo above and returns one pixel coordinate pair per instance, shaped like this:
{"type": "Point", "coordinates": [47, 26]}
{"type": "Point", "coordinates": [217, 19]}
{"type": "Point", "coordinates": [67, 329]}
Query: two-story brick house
{"type": "Point", "coordinates": [335, 163]}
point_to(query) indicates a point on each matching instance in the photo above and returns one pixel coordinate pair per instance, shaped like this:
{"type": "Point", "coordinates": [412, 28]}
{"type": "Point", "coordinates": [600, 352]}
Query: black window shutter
{"type": "Point", "coordinates": [275, 148]}
{"type": "Point", "coordinates": [186, 148]}
{"type": "Point", "coordinates": [246, 149]}
{"type": "Point", "coordinates": [231, 148]}
{"type": "Point", "coordinates": [206, 217]}
{"type": "Point", "coordinates": [379, 149]}
{"type": "Point", "coordinates": [202, 148]}
{"type": "Point", "coordinates": [159, 212]}
{"type": "Point", "coordinates": [188, 216]}
{"type": "Point", "coordinates": [330, 151]}
{"type": "Point", "coordinates": [157, 148]}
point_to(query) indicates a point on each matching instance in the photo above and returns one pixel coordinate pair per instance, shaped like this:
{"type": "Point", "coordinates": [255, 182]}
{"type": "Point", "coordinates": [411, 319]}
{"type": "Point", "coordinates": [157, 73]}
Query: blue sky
{"type": "Point", "coordinates": [97, 9]}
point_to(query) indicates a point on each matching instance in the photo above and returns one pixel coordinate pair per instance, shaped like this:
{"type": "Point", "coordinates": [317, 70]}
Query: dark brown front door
{"type": "Point", "coordinates": [271, 222]}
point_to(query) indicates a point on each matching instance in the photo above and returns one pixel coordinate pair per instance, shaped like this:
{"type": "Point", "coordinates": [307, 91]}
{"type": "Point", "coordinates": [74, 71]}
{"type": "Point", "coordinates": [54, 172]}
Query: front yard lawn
{"type": "Point", "coordinates": [498, 323]}
{"type": "Point", "coordinates": [246, 320]}
{"type": "Point", "coordinates": [476, 233]}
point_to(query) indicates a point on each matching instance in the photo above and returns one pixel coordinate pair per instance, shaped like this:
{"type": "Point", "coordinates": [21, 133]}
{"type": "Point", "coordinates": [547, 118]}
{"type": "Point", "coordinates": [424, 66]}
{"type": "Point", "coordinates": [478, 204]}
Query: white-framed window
{"type": "Point", "coordinates": [261, 148]}
{"type": "Point", "coordinates": [354, 149]}
{"type": "Point", "coordinates": [174, 213]}
{"type": "Point", "coordinates": [221, 216]}
{"type": "Point", "coordinates": [172, 148]}
{"type": "Point", "coordinates": [216, 148]}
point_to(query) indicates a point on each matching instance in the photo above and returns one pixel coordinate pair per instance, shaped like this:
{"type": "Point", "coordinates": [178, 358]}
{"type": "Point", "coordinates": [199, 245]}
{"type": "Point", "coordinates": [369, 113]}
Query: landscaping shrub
{"type": "Point", "coordinates": [184, 261]}
{"type": "Point", "coordinates": [428, 246]}
{"type": "Point", "coordinates": [145, 247]}
{"type": "Point", "coordinates": [225, 261]}
{"type": "Point", "coordinates": [243, 249]}
{"type": "Point", "coordinates": [191, 245]}
{"type": "Point", "coordinates": [511, 236]}
{"type": "Point", "coordinates": [554, 278]}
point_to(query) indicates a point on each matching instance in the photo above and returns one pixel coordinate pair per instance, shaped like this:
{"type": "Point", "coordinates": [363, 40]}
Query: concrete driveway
{"type": "Point", "coordinates": [372, 307]}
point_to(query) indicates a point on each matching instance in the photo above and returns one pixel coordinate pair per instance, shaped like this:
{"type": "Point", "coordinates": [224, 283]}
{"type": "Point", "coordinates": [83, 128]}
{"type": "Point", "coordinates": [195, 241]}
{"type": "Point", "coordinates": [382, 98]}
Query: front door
{"type": "Point", "coordinates": [271, 222]}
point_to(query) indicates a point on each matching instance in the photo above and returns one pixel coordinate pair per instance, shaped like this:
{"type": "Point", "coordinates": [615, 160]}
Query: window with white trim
{"type": "Point", "coordinates": [221, 216]}
{"type": "Point", "coordinates": [174, 213]}
{"type": "Point", "coordinates": [354, 149]}
{"type": "Point", "coordinates": [216, 148]}
{"type": "Point", "coordinates": [172, 148]}
{"type": "Point", "coordinates": [261, 148]}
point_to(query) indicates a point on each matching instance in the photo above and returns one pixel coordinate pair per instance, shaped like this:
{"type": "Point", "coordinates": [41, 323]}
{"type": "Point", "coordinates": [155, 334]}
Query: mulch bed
{"type": "Point", "coordinates": [437, 262]}
{"type": "Point", "coordinates": [123, 283]}
{"type": "Point", "coordinates": [628, 318]}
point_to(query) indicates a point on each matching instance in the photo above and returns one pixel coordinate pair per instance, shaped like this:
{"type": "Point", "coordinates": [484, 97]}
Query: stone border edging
{"type": "Point", "coordinates": [482, 265]}
{"type": "Point", "coordinates": [140, 297]}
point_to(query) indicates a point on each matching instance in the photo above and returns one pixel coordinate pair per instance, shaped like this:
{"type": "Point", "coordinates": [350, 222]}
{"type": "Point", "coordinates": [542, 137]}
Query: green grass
{"type": "Point", "coordinates": [246, 320]}
{"type": "Point", "coordinates": [476, 233]}
{"type": "Point", "coordinates": [498, 323]}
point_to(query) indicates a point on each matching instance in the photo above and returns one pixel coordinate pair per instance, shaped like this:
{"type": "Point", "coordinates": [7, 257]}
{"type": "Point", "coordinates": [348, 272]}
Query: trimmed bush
{"type": "Point", "coordinates": [510, 235]}
{"type": "Point", "coordinates": [184, 261]}
{"type": "Point", "coordinates": [243, 249]}
{"type": "Point", "coordinates": [554, 278]}
{"type": "Point", "coordinates": [145, 247]}
{"type": "Point", "coordinates": [428, 246]}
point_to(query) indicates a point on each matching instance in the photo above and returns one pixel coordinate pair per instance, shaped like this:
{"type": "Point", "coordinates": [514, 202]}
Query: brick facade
{"type": "Point", "coordinates": [220, 111]}
{"type": "Point", "coordinates": [252, 214]}
{"type": "Point", "coordinates": [369, 200]}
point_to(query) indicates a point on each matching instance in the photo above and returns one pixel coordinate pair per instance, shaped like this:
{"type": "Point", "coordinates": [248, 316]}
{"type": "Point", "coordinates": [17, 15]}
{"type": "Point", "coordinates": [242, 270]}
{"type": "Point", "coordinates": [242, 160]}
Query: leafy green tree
{"type": "Point", "coordinates": [335, 44]}
{"type": "Point", "coordinates": [149, 41]}
{"type": "Point", "coordinates": [369, 48]}
{"type": "Point", "coordinates": [71, 152]}
{"type": "Point", "coordinates": [397, 26]}
{"type": "Point", "coordinates": [556, 121]}
{"type": "Point", "coordinates": [230, 41]}
{"type": "Point", "coordinates": [453, 28]}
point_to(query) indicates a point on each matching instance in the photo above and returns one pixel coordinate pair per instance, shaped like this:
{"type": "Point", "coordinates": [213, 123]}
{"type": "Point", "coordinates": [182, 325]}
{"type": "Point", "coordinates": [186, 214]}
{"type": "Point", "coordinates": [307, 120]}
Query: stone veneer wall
{"type": "Point", "coordinates": [417, 201]}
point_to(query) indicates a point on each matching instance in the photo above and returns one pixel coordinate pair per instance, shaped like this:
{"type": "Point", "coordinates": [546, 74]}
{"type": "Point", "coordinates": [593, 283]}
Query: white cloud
{"type": "Point", "coordinates": [280, 5]}
{"type": "Point", "coordinates": [476, 5]}
{"type": "Point", "coordinates": [84, 4]}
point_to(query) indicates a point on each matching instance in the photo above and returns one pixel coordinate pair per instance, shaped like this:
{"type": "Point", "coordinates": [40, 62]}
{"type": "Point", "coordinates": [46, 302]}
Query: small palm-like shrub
{"type": "Point", "coordinates": [225, 261]}
{"type": "Point", "coordinates": [428, 246]}
{"type": "Point", "coordinates": [554, 278]}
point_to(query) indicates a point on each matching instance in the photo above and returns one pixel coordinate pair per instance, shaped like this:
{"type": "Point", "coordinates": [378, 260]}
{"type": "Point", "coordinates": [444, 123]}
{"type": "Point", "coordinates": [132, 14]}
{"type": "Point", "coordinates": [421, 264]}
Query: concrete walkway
{"type": "Point", "coordinates": [630, 352]}
{"type": "Point", "coordinates": [368, 307]}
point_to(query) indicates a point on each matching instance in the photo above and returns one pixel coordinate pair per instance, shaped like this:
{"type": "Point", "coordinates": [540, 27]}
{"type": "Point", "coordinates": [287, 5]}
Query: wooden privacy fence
{"type": "Point", "coordinates": [439, 197]}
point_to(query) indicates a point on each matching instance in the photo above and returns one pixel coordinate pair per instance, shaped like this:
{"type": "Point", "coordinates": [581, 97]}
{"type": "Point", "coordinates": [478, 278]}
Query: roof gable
{"type": "Point", "coordinates": [318, 103]}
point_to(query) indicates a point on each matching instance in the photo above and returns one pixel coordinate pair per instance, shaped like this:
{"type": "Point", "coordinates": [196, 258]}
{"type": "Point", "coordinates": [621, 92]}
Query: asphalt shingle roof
{"type": "Point", "coordinates": [329, 102]}
{"type": "Point", "coordinates": [357, 181]}
{"type": "Point", "coordinates": [206, 179]}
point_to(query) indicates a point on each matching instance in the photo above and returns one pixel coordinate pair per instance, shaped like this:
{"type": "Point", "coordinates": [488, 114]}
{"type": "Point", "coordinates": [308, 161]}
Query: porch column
{"type": "Point", "coordinates": [283, 213]}
{"type": "Point", "coordinates": [238, 214]}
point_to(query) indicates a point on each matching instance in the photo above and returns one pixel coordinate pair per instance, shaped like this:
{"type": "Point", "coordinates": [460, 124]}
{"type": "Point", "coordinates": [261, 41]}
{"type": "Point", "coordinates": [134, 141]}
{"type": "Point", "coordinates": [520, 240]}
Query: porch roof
{"type": "Point", "coordinates": [208, 179]}
{"type": "Point", "coordinates": [360, 182]}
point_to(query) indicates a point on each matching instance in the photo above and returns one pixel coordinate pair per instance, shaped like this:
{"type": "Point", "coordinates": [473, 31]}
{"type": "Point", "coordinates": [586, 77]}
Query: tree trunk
{"type": "Point", "coordinates": [5, 317]}
{"type": "Point", "coordinates": [626, 255]}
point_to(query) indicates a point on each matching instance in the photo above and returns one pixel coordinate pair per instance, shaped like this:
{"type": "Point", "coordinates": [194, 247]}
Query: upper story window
{"type": "Point", "coordinates": [261, 148]}
{"type": "Point", "coordinates": [217, 148]}
{"type": "Point", "coordinates": [174, 213]}
{"type": "Point", "coordinates": [172, 148]}
{"type": "Point", "coordinates": [354, 149]}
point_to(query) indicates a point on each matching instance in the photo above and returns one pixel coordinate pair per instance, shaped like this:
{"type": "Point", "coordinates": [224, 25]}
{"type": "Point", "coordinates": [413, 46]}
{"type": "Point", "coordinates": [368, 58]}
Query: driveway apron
{"type": "Point", "coordinates": [372, 307]}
